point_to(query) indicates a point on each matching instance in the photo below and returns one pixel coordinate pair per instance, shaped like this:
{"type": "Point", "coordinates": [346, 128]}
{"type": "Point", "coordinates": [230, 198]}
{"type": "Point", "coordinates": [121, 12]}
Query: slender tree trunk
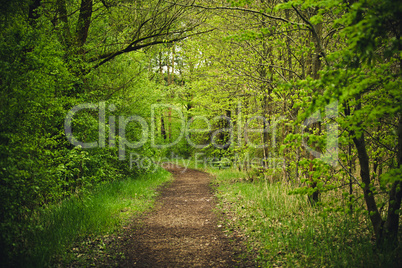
{"type": "Point", "coordinates": [350, 178]}
{"type": "Point", "coordinates": [368, 194]}
{"type": "Point", "coordinates": [162, 80]}
{"type": "Point", "coordinates": [350, 163]}
{"type": "Point", "coordinates": [316, 66]}
{"type": "Point", "coordinates": [392, 223]}
{"type": "Point", "coordinates": [374, 214]}
{"type": "Point", "coordinates": [288, 47]}
{"type": "Point", "coordinates": [173, 58]}
{"type": "Point", "coordinates": [163, 131]}
{"type": "Point", "coordinates": [394, 204]}
{"type": "Point", "coordinates": [171, 83]}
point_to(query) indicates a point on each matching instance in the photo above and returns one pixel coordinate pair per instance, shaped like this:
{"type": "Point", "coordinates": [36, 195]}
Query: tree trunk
{"type": "Point", "coordinates": [395, 195]}
{"type": "Point", "coordinates": [84, 21]}
{"type": "Point", "coordinates": [374, 214]}
{"type": "Point", "coordinates": [316, 66]}
{"type": "Point", "coordinates": [62, 16]}
{"type": "Point", "coordinates": [32, 14]}
{"type": "Point", "coordinates": [163, 131]}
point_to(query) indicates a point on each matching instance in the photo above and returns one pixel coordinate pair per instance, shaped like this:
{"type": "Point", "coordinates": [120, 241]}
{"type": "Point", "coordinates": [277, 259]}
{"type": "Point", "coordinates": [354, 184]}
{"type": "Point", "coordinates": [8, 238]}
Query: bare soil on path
{"type": "Point", "coordinates": [183, 229]}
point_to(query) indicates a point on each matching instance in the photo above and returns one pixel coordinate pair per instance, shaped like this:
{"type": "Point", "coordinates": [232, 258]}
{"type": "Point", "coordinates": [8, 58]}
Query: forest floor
{"type": "Point", "coordinates": [182, 230]}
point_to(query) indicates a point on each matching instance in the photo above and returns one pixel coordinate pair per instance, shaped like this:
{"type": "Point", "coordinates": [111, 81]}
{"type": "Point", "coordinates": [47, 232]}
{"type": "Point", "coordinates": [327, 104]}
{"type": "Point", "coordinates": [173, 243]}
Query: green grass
{"type": "Point", "coordinates": [102, 211]}
{"type": "Point", "coordinates": [283, 230]}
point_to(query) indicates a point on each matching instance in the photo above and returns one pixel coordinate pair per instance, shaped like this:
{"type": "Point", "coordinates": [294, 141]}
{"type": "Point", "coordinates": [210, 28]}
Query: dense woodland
{"type": "Point", "coordinates": [307, 93]}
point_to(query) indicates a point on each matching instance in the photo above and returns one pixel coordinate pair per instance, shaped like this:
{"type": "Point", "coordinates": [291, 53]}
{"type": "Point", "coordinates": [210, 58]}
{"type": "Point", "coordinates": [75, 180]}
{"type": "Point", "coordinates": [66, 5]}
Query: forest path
{"type": "Point", "coordinates": [182, 230]}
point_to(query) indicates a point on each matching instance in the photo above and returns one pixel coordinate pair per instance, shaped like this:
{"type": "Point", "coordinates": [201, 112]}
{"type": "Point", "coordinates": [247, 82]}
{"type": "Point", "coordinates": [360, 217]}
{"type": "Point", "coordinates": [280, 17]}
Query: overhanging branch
{"type": "Point", "coordinates": [134, 46]}
{"type": "Point", "coordinates": [245, 10]}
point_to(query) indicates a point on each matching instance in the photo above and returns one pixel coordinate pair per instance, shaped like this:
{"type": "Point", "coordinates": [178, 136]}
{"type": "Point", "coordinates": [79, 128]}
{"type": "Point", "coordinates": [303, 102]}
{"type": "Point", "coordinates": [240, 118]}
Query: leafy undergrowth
{"type": "Point", "coordinates": [78, 231]}
{"type": "Point", "coordinates": [283, 230]}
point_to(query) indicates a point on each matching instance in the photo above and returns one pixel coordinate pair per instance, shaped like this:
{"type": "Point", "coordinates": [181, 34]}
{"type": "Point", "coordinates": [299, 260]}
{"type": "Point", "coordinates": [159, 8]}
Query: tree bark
{"type": "Point", "coordinates": [395, 196]}
{"type": "Point", "coordinates": [84, 21]}
{"type": "Point", "coordinates": [62, 16]}
{"type": "Point", "coordinates": [315, 67]}
{"type": "Point", "coordinates": [374, 214]}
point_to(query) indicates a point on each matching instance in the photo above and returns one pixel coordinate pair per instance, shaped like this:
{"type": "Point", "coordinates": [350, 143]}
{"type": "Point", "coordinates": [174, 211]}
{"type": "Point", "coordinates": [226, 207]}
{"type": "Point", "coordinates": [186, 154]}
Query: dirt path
{"type": "Point", "coordinates": [182, 231]}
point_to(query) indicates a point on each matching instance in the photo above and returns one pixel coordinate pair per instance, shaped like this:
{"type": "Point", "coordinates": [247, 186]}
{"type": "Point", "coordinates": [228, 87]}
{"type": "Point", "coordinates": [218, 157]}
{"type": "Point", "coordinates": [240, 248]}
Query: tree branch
{"type": "Point", "coordinates": [133, 46]}
{"type": "Point", "coordinates": [245, 10]}
{"type": "Point", "coordinates": [314, 32]}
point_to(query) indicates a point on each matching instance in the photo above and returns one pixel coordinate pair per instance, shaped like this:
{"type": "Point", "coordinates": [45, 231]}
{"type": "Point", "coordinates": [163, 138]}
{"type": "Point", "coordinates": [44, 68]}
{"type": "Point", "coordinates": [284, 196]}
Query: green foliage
{"type": "Point", "coordinates": [364, 77]}
{"type": "Point", "coordinates": [294, 59]}
{"type": "Point", "coordinates": [42, 77]}
{"type": "Point", "coordinates": [34, 78]}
